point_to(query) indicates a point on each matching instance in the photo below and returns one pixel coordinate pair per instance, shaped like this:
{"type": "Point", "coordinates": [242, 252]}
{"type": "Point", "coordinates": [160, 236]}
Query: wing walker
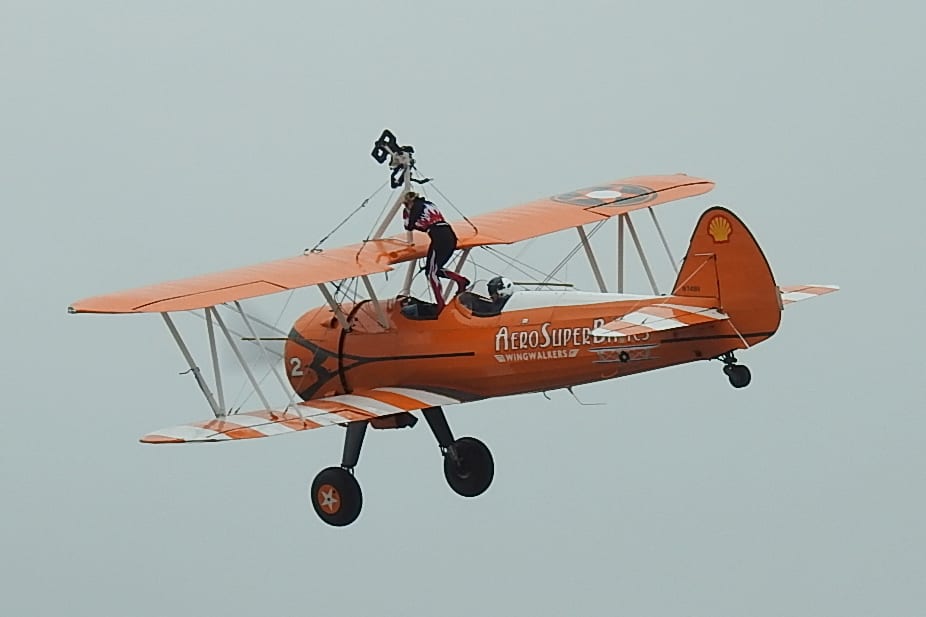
{"type": "Point", "coordinates": [367, 359]}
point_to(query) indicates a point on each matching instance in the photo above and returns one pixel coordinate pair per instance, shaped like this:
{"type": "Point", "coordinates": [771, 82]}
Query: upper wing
{"type": "Point", "coordinates": [340, 409]}
{"type": "Point", "coordinates": [248, 282]}
{"type": "Point", "coordinates": [556, 213]}
{"type": "Point", "coordinates": [580, 207]}
{"type": "Point", "coordinates": [588, 205]}
{"type": "Point", "coordinates": [796, 293]}
{"type": "Point", "coordinates": [657, 317]}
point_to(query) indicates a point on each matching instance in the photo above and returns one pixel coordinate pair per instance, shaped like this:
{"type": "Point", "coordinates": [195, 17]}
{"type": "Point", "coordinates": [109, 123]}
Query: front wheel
{"type": "Point", "coordinates": [468, 467]}
{"type": "Point", "coordinates": [336, 496]}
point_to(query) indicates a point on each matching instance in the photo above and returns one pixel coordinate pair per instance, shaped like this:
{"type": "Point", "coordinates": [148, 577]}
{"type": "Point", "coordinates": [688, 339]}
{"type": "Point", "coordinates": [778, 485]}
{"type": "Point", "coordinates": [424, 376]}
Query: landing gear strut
{"type": "Point", "coordinates": [335, 491]}
{"type": "Point", "coordinates": [738, 374]}
{"type": "Point", "coordinates": [468, 464]}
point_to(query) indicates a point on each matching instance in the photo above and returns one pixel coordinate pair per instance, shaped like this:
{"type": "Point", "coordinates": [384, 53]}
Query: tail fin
{"type": "Point", "coordinates": [725, 262]}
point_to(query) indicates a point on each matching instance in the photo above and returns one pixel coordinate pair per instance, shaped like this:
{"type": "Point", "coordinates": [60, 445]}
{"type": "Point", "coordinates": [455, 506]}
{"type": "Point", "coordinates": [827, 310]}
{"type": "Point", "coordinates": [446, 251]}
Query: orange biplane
{"type": "Point", "coordinates": [373, 361]}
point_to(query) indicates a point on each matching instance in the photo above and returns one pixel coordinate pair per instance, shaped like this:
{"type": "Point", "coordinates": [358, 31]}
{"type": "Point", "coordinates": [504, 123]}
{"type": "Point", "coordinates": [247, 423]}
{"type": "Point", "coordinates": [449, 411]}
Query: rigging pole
{"type": "Point", "coordinates": [401, 163]}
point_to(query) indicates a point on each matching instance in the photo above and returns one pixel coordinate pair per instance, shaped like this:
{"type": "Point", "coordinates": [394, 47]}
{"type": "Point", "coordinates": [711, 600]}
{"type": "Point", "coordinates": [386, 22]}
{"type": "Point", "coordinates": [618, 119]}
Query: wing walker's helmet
{"type": "Point", "coordinates": [500, 287]}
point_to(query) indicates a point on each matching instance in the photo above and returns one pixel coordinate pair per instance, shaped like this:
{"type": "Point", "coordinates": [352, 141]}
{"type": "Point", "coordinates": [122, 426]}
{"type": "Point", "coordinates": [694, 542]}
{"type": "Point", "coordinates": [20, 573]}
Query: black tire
{"type": "Point", "coordinates": [471, 472]}
{"type": "Point", "coordinates": [738, 375]}
{"type": "Point", "coordinates": [336, 496]}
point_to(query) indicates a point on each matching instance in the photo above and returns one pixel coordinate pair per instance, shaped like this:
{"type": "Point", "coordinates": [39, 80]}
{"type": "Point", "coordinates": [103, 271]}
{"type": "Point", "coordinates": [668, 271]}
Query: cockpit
{"type": "Point", "coordinates": [415, 308]}
{"type": "Point", "coordinates": [482, 306]}
{"type": "Point", "coordinates": [484, 300]}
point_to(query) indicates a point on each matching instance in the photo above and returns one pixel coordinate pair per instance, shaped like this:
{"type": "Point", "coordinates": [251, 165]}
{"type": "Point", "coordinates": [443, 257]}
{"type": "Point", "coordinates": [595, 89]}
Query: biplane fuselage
{"type": "Point", "coordinates": [540, 341]}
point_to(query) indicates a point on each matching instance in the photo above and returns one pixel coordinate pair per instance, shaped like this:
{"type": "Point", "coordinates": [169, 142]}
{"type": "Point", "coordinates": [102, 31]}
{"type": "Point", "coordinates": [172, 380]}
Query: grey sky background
{"type": "Point", "coordinates": [141, 142]}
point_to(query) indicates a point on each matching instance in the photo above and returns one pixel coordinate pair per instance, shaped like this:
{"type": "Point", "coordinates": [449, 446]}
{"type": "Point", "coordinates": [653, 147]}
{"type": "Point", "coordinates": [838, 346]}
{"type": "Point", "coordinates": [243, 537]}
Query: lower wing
{"type": "Point", "coordinates": [328, 411]}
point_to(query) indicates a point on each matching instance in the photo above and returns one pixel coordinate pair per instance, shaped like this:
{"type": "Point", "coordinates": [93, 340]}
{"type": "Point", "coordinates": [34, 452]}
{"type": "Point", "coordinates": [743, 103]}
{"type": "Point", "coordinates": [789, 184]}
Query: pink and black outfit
{"type": "Point", "coordinates": [424, 216]}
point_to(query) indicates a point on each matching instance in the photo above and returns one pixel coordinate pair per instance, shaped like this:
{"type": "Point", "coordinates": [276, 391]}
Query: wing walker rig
{"type": "Point", "coordinates": [363, 360]}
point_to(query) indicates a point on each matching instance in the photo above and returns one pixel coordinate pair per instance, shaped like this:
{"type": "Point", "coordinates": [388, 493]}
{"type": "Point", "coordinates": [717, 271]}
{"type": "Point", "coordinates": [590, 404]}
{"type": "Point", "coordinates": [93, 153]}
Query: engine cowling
{"type": "Point", "coordinates": [311, 354]}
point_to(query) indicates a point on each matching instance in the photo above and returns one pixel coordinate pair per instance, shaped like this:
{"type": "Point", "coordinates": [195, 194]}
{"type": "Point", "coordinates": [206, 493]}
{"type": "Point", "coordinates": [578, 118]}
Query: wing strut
{"type": "Point", "coordinates": [663, 238]}
{"type": "Point", "coordinates": [215, 359]}
{"type": "Point", "coordinates": [380, 313]}
{"type": "Point", "coordinates": [620, 254]}
{"type": "Point", "coordinates": [591, 259]}
{"type": "Point", "coordinates": [409, 275]}
{"type": "Point", "coordinates": [636, 241]}
{"type": "Point", "coordinates": [334, 306]}
{"type": "Point", "coordinates": [241, 360]}
{"type": "Point", "coordinates": [623, 220]}
{"type": "Point", "coordinates": [195, 369]}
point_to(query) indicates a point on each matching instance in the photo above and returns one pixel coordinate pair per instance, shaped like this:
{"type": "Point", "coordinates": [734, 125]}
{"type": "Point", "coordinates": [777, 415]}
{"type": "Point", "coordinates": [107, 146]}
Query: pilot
{"type": "Point", "coordinates": [500, 290]}
{"type": "Point", "coordinates": [421, 214]}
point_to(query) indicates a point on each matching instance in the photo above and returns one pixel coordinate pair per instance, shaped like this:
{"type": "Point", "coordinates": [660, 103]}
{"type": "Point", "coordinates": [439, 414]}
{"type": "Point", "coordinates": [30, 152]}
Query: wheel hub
{"type": "Point", "coordinates": [328, 498]}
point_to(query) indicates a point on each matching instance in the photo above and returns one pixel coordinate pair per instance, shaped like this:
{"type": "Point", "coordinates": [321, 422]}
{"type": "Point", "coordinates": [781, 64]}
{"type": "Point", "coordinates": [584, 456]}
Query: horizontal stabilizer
{"type": "Point", "coordinates": [656, 317]}
{"type": "Point", "coordinates": [317, 413]}
{"type": "Point", "coordinates": [796, 293]}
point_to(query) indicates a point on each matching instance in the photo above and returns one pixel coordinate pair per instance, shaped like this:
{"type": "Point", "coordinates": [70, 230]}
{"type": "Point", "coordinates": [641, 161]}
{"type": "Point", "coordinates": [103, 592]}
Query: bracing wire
{"type": "Point", "coordinates": [346, 289]}
{"type": "Point", "coordinates": [379, 216]}
{"type": "Point", "coordinates": [244, 401]}
{"type": "Point", "coordinates": [510, 261]}
{"type": "Point", "coordinates": [453, 205]}
{"type": "Point", "coordinates": [574, 250]}
{"type": "Point", "coordinates": [515, 265]}
{"type": "Point", "coordinates": [289, 297]}
{"type": "Point", "coordinates": [478, 264]}
{"type": "Point", "coordinates": [347, 218]}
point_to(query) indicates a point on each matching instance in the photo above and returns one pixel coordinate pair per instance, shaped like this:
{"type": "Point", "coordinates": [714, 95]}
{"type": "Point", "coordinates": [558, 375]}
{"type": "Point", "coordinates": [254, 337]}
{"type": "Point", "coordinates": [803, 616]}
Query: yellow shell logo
{"type": "Point", "coordinates": [719, 229]}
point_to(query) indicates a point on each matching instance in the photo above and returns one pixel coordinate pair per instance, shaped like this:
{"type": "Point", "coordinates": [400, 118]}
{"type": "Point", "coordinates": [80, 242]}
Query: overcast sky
{"type": "Point", "coordinates": [141, 142]}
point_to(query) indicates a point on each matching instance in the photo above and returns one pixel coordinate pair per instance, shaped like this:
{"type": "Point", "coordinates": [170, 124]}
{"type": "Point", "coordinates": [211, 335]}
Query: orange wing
{"type": "Point", "coordinates": [588, 205]}
{"type": "Point", "coordinates": [580, 207]}
{"type": "Point", "coordinates": [248, 282]}
{"type": "Point", "coordinates": [559, 212]}
{"type": "Point", "coordinates": [317, 413]}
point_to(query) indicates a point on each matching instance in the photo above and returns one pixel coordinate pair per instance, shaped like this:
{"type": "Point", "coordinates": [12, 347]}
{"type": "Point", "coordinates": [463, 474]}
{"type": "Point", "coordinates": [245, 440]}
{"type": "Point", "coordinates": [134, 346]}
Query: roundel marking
{"type": "Point", "coordinates": [611, 195]}
{"type": "Point", "coordinates": [607, 194]}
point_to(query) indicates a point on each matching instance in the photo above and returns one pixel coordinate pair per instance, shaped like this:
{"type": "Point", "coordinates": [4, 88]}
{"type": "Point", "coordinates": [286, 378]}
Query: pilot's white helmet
{"type": "Point", "coordinates": [500, 287]}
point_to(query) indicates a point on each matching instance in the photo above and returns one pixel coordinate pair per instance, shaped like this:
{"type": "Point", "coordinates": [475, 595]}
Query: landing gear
{"type": "Point", "coordinates": [335, 492]}
{"type": "Point", "coordinates": [738, 374]}
{"type": "Point", "coordinates": [336, 496]}
{"type": "Point", "coordinates": [468, 464]}
{"type": "Point", "coordinates": [468, 467]}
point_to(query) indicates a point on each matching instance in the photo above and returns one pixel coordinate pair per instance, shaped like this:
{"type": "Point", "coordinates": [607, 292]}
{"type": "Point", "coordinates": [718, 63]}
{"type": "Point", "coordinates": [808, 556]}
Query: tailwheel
{"type": "Point", "coordinates": [738, 375]}
{"type": "Point", "coordinates": [468, 467]}
{"type": "Point", "coordinates": [336, 496]}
